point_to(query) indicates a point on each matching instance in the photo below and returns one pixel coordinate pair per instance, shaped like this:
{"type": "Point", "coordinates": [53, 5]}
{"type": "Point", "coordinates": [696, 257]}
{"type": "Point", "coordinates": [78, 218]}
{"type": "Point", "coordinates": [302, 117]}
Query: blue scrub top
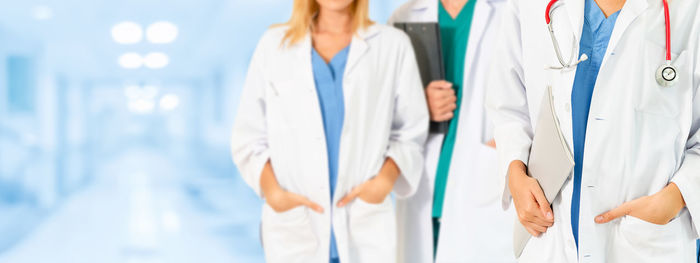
{"type": "Point", "coordinates": [329, 87]}
{"type": "Point", "coordinates": [594, 42]}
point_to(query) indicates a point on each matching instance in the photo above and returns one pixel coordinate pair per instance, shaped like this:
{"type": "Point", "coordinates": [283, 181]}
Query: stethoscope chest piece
{"type": "Point", "coordinates": [666, 75]}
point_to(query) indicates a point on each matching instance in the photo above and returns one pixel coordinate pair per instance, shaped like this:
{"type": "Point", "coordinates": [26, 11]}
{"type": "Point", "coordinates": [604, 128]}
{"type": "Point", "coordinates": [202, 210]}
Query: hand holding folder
{"type": "Point", "coordinates": [550, 162]}
{"type": "Point", "coordinates": [425, 38]}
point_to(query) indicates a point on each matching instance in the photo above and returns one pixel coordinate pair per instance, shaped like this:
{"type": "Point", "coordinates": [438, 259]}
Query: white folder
{"type": "Point", "coordinates": [550, 162]}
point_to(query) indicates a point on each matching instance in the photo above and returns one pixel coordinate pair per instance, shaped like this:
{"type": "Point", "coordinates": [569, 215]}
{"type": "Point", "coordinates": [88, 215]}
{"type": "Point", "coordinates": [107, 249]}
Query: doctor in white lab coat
{"type": "Point", "coordinates": [278, 136]}
{"type": "Point", "coordinates": [640, 183]}
{"type": "Point", "coordinates": [473, 226]}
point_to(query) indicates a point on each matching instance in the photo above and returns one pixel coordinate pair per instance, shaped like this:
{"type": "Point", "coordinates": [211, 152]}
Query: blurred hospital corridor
{"type": "Point", "coordinates": [146, 207]}
{"type": "Point", "coordinates": [115, 125]}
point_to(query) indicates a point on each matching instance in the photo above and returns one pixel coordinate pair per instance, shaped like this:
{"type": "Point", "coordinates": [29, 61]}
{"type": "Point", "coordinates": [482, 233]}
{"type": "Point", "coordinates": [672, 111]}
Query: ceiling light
{"type": "Point", "coordinates": [42, 12]}
{"type": "Point", "coordinates": [161, 33]}
{"type": "Point", "coordinates": [149, 92]}
{"type": "Point", "coordinates": [130, 60]}
{"type": "Point", "coordinates": [141, 106]}
{"type": "Point", "coordinates": [132, 92]}
{"type": "Point", "coordinates": [156, 60]}
{"type": "Point", "coordinates": [127, 33]}
{"type": "Point", "coordinates": [169, 102]}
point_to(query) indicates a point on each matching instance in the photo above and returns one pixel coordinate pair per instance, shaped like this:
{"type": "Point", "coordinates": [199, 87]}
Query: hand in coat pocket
{"type": "Point", "coordinates": [375, 190]}
{"type": "Point", "coordinates": [659, 208]}
{"type": "Point", "coordinates": [279, 199]}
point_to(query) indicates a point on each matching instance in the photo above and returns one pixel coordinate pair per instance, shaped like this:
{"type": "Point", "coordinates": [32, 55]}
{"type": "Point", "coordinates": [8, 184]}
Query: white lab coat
{"type": "Point", "coordinates": [640, 136]}
{"type": "Point", "coordinates": [474, 228]}
{"type": "Point", "coordinates": [279, 119]}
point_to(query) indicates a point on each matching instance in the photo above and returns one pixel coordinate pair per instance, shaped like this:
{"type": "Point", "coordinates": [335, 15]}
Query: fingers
{"type": "Point", "coordinates": [301, 200]}
{"type": "Point", "coordinates": [439, 92]}
{"type": "Point", "coordinates": [442, 104]}
{"type": "Point", "coordinates": [532, 232]}
{"type": "Point", "coordinates": [531, 216]}
{"type": "Point", "coordinates": [443, 117]}
{"type": "Point", "coordinates": [534, 229]}
{"type": "Point", "coordinates": [538, 221]}
{"type": "Point", "coordinates": [491, 143]}
{"type": "Point", "coordinates": [439, 84]}
{"type": "Point", "coordinates": [445, 113]}
{"type": "Point", "coordinates": [543, 203]}
{"type": "Point", "coordinates": [611, 215]}
{"type": "Point", "coordinates": [314, 206]}
{"type": "Point", "coordinates": [449, 104]}
{"type": "Point", "coordinates": [349, 197]}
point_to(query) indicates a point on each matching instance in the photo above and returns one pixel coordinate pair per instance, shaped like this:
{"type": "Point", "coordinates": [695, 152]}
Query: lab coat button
{"type": "Point", "coordinates": [587, 258]}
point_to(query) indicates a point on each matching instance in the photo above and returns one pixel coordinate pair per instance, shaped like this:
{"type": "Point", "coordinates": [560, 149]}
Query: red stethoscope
{"type": "Point", "coordinates": [666, 75]}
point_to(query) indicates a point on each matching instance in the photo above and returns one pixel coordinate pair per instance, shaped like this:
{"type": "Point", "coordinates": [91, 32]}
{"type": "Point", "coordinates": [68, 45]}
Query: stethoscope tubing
{"type": "Point", "coordinates": [667, 18]}
{"type": "Point", "coordinates": [568, 64]}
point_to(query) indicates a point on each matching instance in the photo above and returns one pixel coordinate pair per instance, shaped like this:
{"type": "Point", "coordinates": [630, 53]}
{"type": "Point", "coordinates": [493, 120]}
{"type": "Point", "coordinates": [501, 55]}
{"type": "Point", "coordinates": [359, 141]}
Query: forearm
{"type": "Point", "coordinates": [268, 181]}
{"type": "Point", "coordinates": [390, 172]}
{"type": "Point", "coordinates": [516, 170]}
{"type": "Point", "coordinates": [674, 196]}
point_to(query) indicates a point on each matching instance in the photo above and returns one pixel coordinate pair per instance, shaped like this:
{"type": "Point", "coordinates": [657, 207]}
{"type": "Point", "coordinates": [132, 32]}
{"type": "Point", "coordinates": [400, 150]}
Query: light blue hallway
{"type": "Point", "coordinates": [115, 119]}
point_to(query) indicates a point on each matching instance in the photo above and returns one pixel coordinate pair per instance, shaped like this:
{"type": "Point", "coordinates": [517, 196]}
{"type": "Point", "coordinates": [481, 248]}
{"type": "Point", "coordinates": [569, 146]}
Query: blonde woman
{"type": "Point", "coordinates": [332, 119]}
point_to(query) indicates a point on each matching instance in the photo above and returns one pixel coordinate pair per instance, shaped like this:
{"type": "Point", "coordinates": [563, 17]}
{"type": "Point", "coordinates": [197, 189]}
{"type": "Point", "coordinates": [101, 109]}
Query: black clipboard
{"type": "Point", "coordinates": [427, 45]}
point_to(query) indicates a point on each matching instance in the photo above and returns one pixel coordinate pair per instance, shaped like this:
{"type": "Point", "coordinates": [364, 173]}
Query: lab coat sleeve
{"type": "Point", "coordinates": [506, 101]}
{"type": "Point", "coordinates": [249, 145]}
{"type": "Point", "coordinates": [409, 129]}
{"type": "Point", "coordinates": [687, 178]}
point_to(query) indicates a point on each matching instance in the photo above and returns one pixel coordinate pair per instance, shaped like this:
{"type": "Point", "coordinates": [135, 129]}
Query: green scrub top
{"type": "Point", "coordinates": [455, 36]}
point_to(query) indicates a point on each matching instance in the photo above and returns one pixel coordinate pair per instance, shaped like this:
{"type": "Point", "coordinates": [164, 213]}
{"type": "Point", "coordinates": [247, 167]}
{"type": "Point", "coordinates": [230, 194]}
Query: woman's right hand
{"type": "Point", "coordinates": [533, 209]}
{"type": "Point", "coordinates": [279, 199]}
{"type": "Point", "coordinates": [282, 201]}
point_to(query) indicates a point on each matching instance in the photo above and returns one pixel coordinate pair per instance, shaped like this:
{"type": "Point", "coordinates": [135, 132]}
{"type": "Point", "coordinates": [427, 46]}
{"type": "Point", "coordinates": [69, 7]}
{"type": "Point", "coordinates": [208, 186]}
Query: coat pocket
{"type": "Point", "coordinates": [288, 236]}
{"type": "Point", "coordinates": [640, 241]}
{"type": "Point", "coordinates": [372, 231]}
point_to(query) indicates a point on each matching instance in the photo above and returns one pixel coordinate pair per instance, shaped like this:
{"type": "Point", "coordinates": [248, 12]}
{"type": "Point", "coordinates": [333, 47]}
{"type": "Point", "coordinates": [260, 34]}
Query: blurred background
{"type": "Point", "coordinates": [114, 129]}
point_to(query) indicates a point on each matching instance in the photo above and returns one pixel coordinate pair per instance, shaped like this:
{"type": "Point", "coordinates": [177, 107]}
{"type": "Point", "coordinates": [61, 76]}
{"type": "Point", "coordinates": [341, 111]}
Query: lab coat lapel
{"type": "Point", "coordinates": [575, 8]}
{"type": "Point", "coordinates": [359, 47]}
{"type": "Point", "coordinates": [629, 13]}
{"type": "Point", "coordinates": [483, 13]}
{"type": "Point", "coordinates": [472, 94]}
{"type": "Point", "coordinates": [564, 79]}
{"type": "Point", "coordinates": [304, 55]}
{"type": "Point", "coordinates": [306, 82]}
{"type": "Point", "coordinates": [426, 10]}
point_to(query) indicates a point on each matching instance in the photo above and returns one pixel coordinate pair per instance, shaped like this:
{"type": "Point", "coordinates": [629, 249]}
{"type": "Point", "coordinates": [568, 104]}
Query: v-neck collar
{"type": "Point", "coordinates": [460, 15]}
{"type": "Point", "coordinates": [595, 16]}
{"type": "Point", "coordinates": [338, 59]}
{"type": "Point", "coordinates": [336, 65]}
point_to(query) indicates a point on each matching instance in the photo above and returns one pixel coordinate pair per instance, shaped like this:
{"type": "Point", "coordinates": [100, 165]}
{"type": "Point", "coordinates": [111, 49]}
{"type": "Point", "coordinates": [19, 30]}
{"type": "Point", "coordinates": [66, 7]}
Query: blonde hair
{"type": "Point", "coordinates": [303, 14]}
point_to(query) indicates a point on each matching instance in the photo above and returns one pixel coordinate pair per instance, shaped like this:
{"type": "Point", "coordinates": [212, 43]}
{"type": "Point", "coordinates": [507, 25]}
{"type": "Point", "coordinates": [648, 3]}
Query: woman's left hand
{"type": "Point", "coordinates": [659, 208]}
{"type": "Point", "coordinates": [375, 190]}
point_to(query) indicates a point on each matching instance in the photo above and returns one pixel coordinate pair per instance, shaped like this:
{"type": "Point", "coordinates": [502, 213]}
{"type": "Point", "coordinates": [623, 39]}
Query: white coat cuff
{"type": "Point", "coordinates": [522, 156]}
{"type": "Point", "coordinates": [410, 168]}
{"type": "Point", "coordinates": [688, 182]}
